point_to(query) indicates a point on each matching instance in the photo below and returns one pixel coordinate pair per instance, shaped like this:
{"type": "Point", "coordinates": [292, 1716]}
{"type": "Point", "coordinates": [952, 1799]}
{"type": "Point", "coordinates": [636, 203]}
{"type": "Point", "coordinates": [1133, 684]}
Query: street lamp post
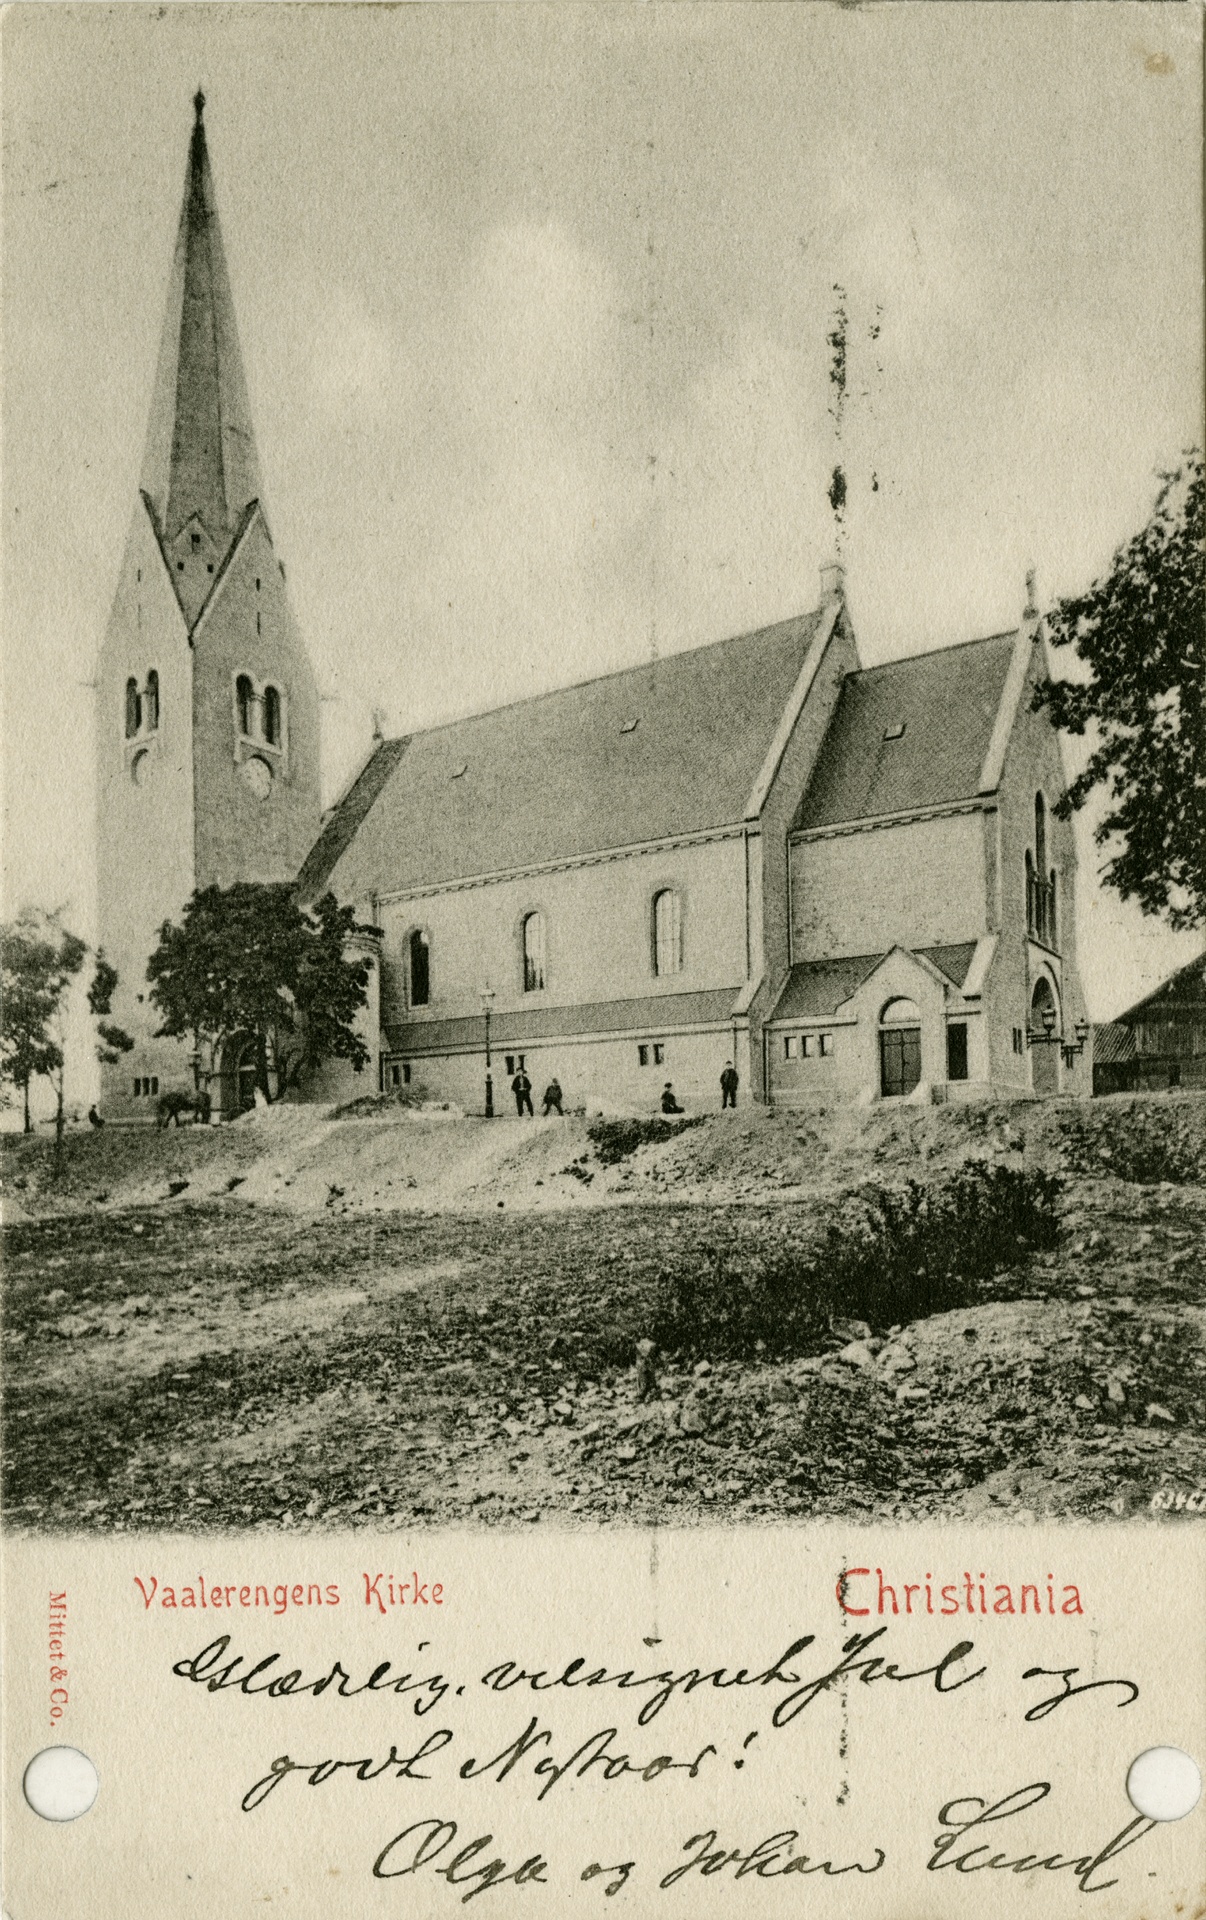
{"type": "Point", "coordinates": [487, 997]}
{"type": "Point", "coordinates": [1070, 1049]}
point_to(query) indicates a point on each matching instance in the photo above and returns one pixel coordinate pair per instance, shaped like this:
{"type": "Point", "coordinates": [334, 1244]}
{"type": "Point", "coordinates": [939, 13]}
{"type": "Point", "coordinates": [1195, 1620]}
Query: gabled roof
{"type": "Point", "coordinates": [910, 733]}
{"type": "Point", "coordinates": [672, 747]}
{"type": "Point", "coordinates": [1183, 989]}
{"type": "Point", "coordinates": [815, 989]}
{"type": "Point", "coordinates": [339, 829]}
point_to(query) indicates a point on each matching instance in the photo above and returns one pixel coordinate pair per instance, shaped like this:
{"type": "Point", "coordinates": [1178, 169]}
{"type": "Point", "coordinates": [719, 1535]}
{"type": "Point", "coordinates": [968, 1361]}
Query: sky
{"type": "Point", "coordinates": [534, 306]}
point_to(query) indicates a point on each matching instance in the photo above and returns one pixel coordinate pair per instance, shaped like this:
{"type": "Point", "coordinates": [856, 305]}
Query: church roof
{"type": "Point", "coordinates": [200, 453]}
{"type": "Point", "coordinates": [671, 747]}
{"type": "Point", "coordinates": [339, 829]}
{"type": "Point", "coordinates": [815, 989]}
{"type": "Point", "coordinates": [910, 733]}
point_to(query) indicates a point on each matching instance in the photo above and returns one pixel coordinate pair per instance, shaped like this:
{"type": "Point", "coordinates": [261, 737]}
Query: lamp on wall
{"type": "Point", "coordinates": [1048, 1037]}
{"type": "Point", "coordinates": [487, 1000]}
{"type": "Point", "coordinates": [1070, 1048]}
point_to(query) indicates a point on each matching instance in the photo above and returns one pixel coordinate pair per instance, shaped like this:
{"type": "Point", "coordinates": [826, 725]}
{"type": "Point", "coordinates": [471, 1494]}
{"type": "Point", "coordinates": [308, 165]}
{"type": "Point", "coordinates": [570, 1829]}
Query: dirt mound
{"type": "Point", "coordinates": [389, 1156]}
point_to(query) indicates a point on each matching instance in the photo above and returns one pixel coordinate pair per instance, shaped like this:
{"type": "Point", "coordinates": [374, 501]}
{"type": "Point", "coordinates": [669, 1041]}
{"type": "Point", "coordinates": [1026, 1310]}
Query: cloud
{"type": "Point", "coordinates": [356, 362]}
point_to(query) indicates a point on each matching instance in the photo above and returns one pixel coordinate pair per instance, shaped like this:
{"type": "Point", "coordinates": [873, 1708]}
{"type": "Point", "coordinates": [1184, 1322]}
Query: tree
{"type": "Point", "coordinates": [111, 1041]}
{"type": "Point", "coordinates": [40, 959]}
{"type": "Point", "coordinates": [248, 959]}
{"type": "Point", "coordinates": [34, 978]}
{"type": "Point", "coordinates": [1139, 633]}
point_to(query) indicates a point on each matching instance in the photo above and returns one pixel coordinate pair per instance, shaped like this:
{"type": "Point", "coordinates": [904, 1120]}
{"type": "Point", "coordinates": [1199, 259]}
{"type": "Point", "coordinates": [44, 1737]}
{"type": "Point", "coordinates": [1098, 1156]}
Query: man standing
{"type": "Point", "coordinates": [521, 1087]}
{"type": "Point", "coordinates": [728, 1086]}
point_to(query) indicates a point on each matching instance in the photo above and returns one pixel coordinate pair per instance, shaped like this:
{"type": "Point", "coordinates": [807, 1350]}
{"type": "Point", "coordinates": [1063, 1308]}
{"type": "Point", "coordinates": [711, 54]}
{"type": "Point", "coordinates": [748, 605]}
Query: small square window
{"type": "Point", "coordinates": [826, 1044]}
{"type": "Point", "coordinates": [643, 1056]}
{"type": "Point", "coordinates": [510, 1063]}
{"type": "Point", "coordinates": [808, 1045]}
{"type": "Point", "coordinates": [659, 1053]}
{"type": "Point", "coordinates": [155, 1083]}
{"type": "Point", "coordinates": [137, 1088]}
{"type": "Point", "coordinates": [790, 1046]}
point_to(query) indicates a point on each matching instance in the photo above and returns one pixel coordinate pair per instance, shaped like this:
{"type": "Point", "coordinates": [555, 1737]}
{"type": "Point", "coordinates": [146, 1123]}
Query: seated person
{"type": "Point", "coordinates": [552, 1097]}
{"type": "Point", "coordinates": [669, 1103]}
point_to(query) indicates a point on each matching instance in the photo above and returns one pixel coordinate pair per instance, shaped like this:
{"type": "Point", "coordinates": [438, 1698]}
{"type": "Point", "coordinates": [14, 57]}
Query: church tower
{"type": "Point", "coordinates": [207, 710]}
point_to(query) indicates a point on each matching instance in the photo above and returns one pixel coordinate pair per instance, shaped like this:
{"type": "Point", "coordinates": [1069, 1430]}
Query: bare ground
{"type": "Point", "coordinates": [306, 1322]}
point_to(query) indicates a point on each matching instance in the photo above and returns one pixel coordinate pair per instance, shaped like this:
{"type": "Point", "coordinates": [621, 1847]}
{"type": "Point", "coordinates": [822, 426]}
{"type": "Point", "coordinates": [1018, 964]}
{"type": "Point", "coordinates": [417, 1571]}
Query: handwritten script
{"type": "Point", "coordinates": [531, 1755]}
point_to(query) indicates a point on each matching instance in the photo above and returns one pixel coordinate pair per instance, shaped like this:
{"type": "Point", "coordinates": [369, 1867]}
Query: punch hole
{"type": "Point", "coordinates": [1164, 1784]}
{"type": "Point", "coordinates": [60, 1783]}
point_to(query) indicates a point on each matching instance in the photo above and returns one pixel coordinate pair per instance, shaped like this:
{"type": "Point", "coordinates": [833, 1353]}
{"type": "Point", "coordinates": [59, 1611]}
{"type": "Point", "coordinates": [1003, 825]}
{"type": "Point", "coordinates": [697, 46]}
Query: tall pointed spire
{"type": "Point", "coordinates": [200, 471]}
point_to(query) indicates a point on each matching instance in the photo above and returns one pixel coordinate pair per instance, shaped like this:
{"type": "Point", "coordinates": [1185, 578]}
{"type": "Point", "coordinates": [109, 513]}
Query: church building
{"type": "Point", "coordinates": [846, 881]}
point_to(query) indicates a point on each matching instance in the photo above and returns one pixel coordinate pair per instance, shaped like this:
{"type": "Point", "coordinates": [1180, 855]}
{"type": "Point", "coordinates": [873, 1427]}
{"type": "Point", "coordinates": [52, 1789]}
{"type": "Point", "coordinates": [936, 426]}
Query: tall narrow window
{"type": "Point", "coordinates": [151, 701]}
{"type": "Point", "coordinates": [533, 952]}
{"type": "Point", "coordinates": [133, 709]}
{"type": "Point", "coordinates": [420, 968]}
{"type": "Point", "coordinates": [1040, 880]}
{"type": "Point", "coordinates": [272, 716]}
{"type": "Point", "coordinates": [245, 699]}
{"type": "Point", "coordinates": [667, 932]}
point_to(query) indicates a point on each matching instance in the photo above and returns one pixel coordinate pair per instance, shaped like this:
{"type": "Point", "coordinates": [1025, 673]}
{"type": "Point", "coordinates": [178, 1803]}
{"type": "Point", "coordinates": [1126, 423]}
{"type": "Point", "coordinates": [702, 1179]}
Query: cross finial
{"type": "Point", "coordinates": [199, 104]}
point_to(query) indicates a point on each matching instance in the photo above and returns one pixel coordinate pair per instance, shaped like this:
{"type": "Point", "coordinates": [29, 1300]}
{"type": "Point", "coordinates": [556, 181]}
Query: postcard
{"type": "Point", "coordinates": [603, 1043]}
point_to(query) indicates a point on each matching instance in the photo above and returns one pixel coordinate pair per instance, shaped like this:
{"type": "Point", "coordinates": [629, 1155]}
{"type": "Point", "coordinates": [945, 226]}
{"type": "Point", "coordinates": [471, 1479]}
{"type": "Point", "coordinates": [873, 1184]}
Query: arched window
{"type": "Point", "coordinates": [1040, 881]}
{"type": "Point", "coordinates": [1053, 921]}
{"type": "Point", "coordinates": [533, 952]}
{"type": "Point", "coordinates": [151, 701]}
{"type": "Point", "coordinates": [899, 1048]}
{"type": "Point", "coordinates": [420, 968]}
{"type": "Point", "coordinates": [245, 699]}
{"type": "Point", "coordinates": [667, 932]}
{"type": "Point", "coordinates": [272, 716]}
{"type": "Point", "coordinates": [133, 709]}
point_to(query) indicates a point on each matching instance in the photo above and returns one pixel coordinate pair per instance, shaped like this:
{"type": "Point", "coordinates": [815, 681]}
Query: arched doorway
{"type": "Point", "coordinates": [247, 1074]}
{"type": "Point", "coordinates": [899, 1048]}
{"type": "Point", "coordinates": [1044, 1050]}
{"type": "Point", "coordinates": [238, 1074]}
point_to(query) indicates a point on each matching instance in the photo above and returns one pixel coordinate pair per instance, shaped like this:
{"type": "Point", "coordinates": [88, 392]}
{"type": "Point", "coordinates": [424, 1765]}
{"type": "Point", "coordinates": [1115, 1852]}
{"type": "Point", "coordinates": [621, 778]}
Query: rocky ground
{"type": "Point", "coordinates": [272, 1326]}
